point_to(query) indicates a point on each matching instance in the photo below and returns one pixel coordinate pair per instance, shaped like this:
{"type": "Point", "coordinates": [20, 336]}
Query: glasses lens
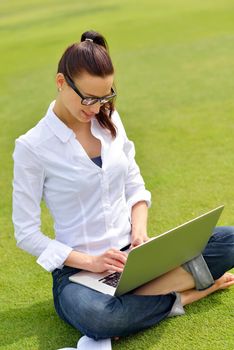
{"type": "Point", "coordinates": [89, 101]}
{"type": "Point", "coordinates": [106, 100]}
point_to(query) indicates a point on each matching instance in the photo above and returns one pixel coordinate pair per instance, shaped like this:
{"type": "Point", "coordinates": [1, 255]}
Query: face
{"type": "Point", "coordinates": [89, 86]}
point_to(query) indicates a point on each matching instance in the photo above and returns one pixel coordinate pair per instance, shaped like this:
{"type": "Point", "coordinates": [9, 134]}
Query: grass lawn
{"type": "Point", "coordinates": [174, 76]}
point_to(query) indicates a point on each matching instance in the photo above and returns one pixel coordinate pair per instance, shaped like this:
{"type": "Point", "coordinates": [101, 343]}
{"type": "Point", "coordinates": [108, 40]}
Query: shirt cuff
{"type": "Point", "coordinates": [138, 197]}
{"type": "Point", "coordinates": [54, 255]}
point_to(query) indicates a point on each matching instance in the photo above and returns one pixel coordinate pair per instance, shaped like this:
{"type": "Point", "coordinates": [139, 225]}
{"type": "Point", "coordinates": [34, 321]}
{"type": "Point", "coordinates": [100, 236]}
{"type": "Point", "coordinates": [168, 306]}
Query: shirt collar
{"type": "Point", "coordinates": [61, 130]}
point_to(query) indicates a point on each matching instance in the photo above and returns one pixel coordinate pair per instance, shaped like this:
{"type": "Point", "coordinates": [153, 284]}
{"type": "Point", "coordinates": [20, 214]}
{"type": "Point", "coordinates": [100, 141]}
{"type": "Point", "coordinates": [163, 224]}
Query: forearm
{"type": "Point", "coordinates": [139, 217]}
{"type": "Point", "coordinates": [139, 224]}
{"type": "Point", "coordinates": [79, 260]}
{"type": "Point", "coordinates": [112, 259]}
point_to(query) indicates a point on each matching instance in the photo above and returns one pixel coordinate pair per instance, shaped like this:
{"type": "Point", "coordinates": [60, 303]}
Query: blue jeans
{"type": "Point", "coordinates": [102, 316]}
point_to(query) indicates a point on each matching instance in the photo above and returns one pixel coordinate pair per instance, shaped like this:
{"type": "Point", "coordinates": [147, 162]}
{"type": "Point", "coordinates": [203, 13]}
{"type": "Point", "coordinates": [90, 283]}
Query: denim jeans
{"type": "Point", "coordinates": [102, 316]}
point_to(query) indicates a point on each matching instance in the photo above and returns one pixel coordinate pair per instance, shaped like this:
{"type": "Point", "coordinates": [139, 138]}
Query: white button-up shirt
{"type": "Point", "coordinates": [91, 206]}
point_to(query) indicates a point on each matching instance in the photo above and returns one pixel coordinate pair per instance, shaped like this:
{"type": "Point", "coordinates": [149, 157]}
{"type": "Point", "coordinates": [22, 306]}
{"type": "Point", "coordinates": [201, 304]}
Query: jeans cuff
{"type": "Point", "coordinates": [177, 308]}
{"type": "Point", "coordinates": [200, 272]}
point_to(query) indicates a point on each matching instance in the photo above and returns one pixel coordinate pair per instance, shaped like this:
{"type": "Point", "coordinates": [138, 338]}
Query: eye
{"type": "Point", "coordinates": [89, 101]}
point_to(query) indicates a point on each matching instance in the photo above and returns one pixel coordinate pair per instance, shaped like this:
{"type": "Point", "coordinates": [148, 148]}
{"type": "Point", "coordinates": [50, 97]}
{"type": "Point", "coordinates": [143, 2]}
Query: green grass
{"type": "Point", "coordinates": [174, 74]}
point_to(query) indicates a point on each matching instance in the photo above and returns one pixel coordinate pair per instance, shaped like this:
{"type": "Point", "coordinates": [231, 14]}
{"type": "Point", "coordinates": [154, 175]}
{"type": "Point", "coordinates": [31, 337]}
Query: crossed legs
{"type": "Point", "coordinates": [219, 256]}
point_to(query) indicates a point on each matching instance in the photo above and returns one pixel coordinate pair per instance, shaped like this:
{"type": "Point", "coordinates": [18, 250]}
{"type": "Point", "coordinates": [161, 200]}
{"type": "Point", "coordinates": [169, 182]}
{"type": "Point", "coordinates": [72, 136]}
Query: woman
{"type": "Point", "coordinates": [79, 159]}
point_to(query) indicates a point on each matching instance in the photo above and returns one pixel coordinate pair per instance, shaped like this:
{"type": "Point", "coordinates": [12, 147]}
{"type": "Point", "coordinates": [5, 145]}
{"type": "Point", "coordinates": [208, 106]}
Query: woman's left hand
{"type": "Point", "coordinates": [137, 239]}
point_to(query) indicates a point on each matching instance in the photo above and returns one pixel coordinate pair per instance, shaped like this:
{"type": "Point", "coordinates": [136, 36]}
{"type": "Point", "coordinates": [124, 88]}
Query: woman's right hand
{"type": "Point", "coordinates": [112, 259]}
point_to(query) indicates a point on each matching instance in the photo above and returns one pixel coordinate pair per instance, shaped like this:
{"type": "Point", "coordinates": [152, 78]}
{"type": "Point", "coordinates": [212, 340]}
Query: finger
{"type": "Point", "coordinates": [118, 256]}
{"type": "Point", "coordinates": [116, 251]}
{"type": "Point", "coordinates": [114, 268]}
{"type": "Point", "coordinates": [115, 263]}
{"type": "Point", "coordinates": [136, 243]}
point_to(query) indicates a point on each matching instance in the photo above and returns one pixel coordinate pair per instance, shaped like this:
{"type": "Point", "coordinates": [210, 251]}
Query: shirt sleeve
{"type": "Point", "coordinates": [135, 190]}
{"type": "Point", "coordinates": [28, 182]}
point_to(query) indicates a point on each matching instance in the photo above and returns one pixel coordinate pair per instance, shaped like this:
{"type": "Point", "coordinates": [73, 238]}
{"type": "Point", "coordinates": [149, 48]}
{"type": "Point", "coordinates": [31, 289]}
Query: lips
{"type": "Point", "coordinates": [88, 115]}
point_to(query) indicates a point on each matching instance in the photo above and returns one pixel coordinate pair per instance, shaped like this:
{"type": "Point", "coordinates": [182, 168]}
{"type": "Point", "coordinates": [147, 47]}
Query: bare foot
{"type": "Point", "coordinates": [225, 281]}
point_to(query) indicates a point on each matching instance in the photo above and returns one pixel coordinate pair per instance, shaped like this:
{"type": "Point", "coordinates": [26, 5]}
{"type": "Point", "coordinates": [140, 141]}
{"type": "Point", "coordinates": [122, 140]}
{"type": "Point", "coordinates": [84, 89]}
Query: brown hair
{"type": "Point", "coordinates": [90, 56]}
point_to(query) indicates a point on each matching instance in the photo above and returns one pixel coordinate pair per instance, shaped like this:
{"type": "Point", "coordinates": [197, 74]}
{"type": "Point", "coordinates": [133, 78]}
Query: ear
{"type": "Point", "coordinates": [60, 80]}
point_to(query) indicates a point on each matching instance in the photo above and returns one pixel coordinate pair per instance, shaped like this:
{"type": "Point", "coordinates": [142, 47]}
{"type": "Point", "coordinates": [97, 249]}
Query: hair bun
{"type": "Point", "coordinates": [95, 37]}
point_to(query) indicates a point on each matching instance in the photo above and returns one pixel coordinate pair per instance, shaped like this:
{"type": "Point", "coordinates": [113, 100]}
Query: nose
{"type": "Point", "coordinates": [95, 108]}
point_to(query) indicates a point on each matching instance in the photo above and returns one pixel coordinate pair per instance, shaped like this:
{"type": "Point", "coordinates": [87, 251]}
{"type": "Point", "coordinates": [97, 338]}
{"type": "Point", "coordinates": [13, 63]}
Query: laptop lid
{"type": "Point", "coordinates": [167, 251]}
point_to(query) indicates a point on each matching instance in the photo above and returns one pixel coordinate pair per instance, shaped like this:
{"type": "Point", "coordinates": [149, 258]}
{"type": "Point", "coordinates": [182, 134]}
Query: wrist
{"type": "Point", "coordinates": [138, 230]}
{"type": "Point", "coordinates": [138, 238]}
{"type": "Point", "coordinates": [80, 260]}
{"type": "Point", "coordinates": [90, 263]}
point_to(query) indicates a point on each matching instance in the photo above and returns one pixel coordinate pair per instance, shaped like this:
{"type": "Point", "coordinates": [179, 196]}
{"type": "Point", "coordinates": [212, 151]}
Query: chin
{"type": "Point", "coordinates": [84, 117]}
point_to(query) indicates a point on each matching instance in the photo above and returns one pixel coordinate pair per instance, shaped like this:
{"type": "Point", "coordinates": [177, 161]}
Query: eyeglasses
{"type": "Point", "coordinates": [87, 101]}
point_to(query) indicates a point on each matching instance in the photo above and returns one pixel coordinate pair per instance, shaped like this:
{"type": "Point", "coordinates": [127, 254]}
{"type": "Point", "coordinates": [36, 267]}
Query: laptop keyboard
{"type": "Point", "coordinates": [112, 279]}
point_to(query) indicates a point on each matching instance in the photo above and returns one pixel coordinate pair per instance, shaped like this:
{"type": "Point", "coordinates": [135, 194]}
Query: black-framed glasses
{"type": "Point", "coordinates": [87, 101]}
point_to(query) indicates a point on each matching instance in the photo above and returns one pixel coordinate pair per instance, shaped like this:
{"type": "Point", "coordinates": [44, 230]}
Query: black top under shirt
{"type": "Point", "coordinates": [97, 161]}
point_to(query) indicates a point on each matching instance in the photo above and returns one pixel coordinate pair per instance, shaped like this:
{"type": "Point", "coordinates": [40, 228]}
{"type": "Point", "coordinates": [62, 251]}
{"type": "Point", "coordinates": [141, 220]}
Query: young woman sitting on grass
{"type": "Point", "coordinates": [80, 160]}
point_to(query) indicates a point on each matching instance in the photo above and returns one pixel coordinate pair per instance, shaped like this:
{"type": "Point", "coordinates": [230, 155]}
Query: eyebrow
{"type": "Point", "coordinates": [90, 95]}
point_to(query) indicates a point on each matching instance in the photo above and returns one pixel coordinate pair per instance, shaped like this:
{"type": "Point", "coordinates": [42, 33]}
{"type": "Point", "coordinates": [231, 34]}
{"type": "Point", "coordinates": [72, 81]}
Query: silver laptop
{"type": "Point", "coordinates": [155, 257]}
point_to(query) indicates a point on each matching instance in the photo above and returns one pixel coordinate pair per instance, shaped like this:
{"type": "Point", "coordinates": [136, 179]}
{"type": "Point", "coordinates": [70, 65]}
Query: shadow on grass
{"type": "Point", "coordinates": [41, 322]}
{"type": "Point", "coordinates": [153, 336]}
{"type": "Point", "coordinates": [214, 302]}
{"type": "Point", "coordinates": [38, 320]}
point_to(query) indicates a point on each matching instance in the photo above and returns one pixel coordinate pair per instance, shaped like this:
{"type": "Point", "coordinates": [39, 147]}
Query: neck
{"type": "Point", "coordinates": [63, 114]}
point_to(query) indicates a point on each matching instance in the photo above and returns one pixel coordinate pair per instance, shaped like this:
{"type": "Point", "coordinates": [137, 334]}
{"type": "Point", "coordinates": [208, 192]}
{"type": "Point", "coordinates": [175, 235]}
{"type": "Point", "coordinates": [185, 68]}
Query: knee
{"type": "Point", "coordinates": [224, 234]}
{"type": "Point", "coordinates": [228, 242]}
{"type": "Point", "coordinates": [230, 251]}
{"type": "Point", "coordinates": [224, 238]}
